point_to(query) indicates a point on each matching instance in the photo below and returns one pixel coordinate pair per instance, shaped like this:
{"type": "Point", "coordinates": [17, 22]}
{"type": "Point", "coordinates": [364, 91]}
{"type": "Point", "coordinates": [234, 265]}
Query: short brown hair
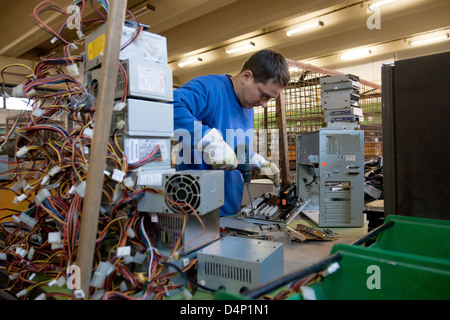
{"type": "Point", "coordinates": [268, 65]}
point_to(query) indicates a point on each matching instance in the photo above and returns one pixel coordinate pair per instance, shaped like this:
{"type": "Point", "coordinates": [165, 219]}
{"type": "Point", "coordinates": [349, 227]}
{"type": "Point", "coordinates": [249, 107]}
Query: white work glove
{"type": "Point", "coordinates": [268, 169]}
{"type": "Point", "coordinates": [216, 151]}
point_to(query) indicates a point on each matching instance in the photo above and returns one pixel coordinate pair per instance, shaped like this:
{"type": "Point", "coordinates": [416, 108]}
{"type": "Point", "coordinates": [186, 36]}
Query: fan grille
{"type": "Point", "coordinates": [184, 190]}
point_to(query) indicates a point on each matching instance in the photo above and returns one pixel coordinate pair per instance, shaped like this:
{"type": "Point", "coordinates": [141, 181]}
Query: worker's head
{"type": "Point", "coordinates": [263, 76]}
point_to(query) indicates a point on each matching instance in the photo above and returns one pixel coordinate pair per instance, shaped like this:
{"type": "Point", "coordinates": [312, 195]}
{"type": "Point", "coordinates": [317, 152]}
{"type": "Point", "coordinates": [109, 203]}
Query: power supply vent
{"type": "Point", "coordinates": [228, 272]}
{"type": "Point", "coordinates": [184, 191]}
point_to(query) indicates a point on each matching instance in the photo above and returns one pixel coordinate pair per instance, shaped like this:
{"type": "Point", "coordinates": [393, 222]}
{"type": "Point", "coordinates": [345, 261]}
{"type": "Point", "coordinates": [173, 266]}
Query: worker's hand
{"type": "Point", "coordinates": [272, 172]}
{"type": "Point", "coordinates": [268, 169]}
{"type": "Point", "coordinates": [217, 152]}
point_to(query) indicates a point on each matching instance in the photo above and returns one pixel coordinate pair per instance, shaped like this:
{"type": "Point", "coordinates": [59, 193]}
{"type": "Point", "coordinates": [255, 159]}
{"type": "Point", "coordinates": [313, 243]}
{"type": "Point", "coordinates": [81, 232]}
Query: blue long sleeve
{"type": "Point", "coordinates": [204, 103]}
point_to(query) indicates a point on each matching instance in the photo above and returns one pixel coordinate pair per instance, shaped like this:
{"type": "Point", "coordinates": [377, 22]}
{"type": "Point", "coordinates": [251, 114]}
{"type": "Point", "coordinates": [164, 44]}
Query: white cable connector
{"type": "Point", "coordinates": [118, 175]}
{"type": "Point", "coordinates": [73, 70]}
{"type": "Point", "coordinates": [17, 91]}
{"type": "Point", "coordinates": [88, 132]}
{"type": "Point", "coordinates": [308, 293]}
{"type": "Point", "coordinates": [30, 94]}
{"type": "Point", "coordinates": [22, 293]}
{"type": "Point", "coordinates": [45, 180]}
{"type": "Point", "coordinates": [130, 233]}
{"type": "Point", "coordinates": [139, 257]}
{"type": "Point", "coordinates": [128, 182]}
{"type": "Point", "coordinates": [29, 221]}
{"type": "Point", "coordinates": [19, 198]}
{"type": "Point", "coordinates": [38, 112]}
{"type": "Point", "coordinates": [30, 254]}
{"type": "Point", "coordinates": [123, 251]}
{"type": "Point", "coordinates": [21, 152]}
{"type": "Point", "coordinates": [54, 238]}
{"type": "Point", "coordinates": [3, 256]}
{"type": "Point", "coordinates": [28, 188]}
{"type": "Point", "coordinates": [79, 294]}
{"type": "Point", "coordinates": [123, 286]}
{"type": "Point", "coordinates": [120, 124]}
{"type": "Point", "coordinates": [331, 269]}
{"type": "Point", "coordinates": [81, 189]}
{"type": "Point", "coordinates": [119, 106]}
{"type": "Point", "coordinates": [41, 196]}
{"type": "Point", "coordinates": [54, 170]}
{"type": "Point", "coordinates": [186, 294]}
{"type": "Point", "coordinates": [42, 296]}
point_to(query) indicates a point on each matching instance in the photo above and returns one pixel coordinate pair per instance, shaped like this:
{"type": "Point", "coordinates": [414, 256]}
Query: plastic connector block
{"type": "Point", "coordinates": [128, 182]}
{"type": "Point", "coordinates": [104, 269]}
{"type": "Point", "coordinates": [331, 269]}
{"type": "Point", "coordinates": [139, 257]}
{"type": "Point", "coordinates": [81, 189]}
{"type": "Point", "coordinates": [17, 91]}
{"type": "Point", "coordinates": [54, 238]}
{"type": "Point", "coordinates": [72, 69]}
{"type": "Point", "coordinates": [30, 254]}
{"type": "Point", "coordinates": [38, 112]}
{"type": "Point", "coordinates": [19, 198]}
{"type": "Point", "coordinates": [118, 175]}
{"type": "Point", "coordinates": [42, 296]}
{"type": "Point", "coordinates": [120, 124]}
{"type": "Point", "coordinates": [21, 152]}
{"type": "Point", "coordinates": [54, 170]}
{"type": "Point", "coordinates": [30, 94]}
{"type": "Point", "coordinates": [79, 294]}
{"type": "Point", "coordinates": [22, 293]}
{"type": "Point", "coordinates": [124, 251]}
{"type": "Point", "coordinates": [119, 106]}
{"type": "Point", "coordinates": [3, 256]}
{"type": "Point", "coordinates": [45, 180]}
{"type": "Point", "coordinates": [41, 196]}
{"type": "Point", "coordinates": [88, 132]}
{"type": "Point", "coordinates": [29, 221]}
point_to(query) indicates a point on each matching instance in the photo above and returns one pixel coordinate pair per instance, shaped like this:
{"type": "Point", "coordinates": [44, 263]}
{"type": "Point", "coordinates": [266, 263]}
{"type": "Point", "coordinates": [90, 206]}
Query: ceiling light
{"type": "Point", "coordinates": [356, 54]}
{"type": "Point", "coordinates": [380, 4]}
{"type": "Point", "coordinates": [190, 61]}
{"type": "Point", "coordinates": [241, 48]}
{"type": "Point", "coordinates": [304, 26]}
{"type": "Point", "coordinates": [428, 40]}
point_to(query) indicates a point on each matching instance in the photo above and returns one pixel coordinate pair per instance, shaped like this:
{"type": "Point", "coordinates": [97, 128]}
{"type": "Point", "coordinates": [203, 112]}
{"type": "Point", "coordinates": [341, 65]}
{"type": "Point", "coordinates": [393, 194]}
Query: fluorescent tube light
{"type": "Point", "coordinates": [303, 27]}
{"type": "Point", "coordinates": [380, 4]}
{"type": "Point", "coordinates": [241, 48]}
{"type": "Point", "coordinates": [190, 61]}
{"type": "Point", "coordinates": [442, 37]}
{"type": "Point", "coordinates": [355, 54]}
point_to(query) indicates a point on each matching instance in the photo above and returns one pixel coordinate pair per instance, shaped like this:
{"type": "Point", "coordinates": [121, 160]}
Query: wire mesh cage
{"type": "Point", "coordinates": [303, 113]}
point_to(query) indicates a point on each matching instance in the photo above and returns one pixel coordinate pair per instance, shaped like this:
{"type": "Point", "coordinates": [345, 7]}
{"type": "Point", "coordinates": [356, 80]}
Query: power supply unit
{"type": "Point", "coordinates": [165, 230]}
{"type": "Point", "coordinates": [144, 80]}
{"type": "Point", "coordinates": [144, 118]}
{"type": "Point", "coordinates": [148, 46]}
{"type": "Point", "coordinates": [236, 264]}
{"type": "Point", "coordinates": [138, 151]}
{"type": "Point", "coordinates": [186, 191]}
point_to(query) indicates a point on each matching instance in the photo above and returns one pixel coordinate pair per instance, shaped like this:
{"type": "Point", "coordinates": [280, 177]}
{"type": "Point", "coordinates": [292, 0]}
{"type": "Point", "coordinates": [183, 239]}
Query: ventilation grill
{"type": "Point", "coordinates": [228, 272]}
{"type": "Point", "coordinates": [120, 84]}
{"type": "Point", "coordinates": [169, 229]}
{"type": "Point", "coordinates": [183, 190]}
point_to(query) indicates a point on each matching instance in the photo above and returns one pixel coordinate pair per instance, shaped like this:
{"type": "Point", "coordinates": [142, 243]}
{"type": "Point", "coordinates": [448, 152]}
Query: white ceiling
{"type": "Point", "coordinates": [204, 28]}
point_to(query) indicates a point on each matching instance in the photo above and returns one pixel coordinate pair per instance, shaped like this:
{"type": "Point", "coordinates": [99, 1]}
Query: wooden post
{"type": "Point", "coordinates": [102, 124]}
{"type": "Point", "coordinates": [283, 140]}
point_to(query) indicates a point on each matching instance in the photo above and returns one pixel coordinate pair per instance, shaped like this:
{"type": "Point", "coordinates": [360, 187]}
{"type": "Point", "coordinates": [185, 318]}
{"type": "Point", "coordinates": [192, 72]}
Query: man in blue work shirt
{"type": "Point", "coordinates": [213, 114]}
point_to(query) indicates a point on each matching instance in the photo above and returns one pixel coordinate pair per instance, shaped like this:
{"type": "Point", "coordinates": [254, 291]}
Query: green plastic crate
{"type": "Point", "coordinates": [418, 236]}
